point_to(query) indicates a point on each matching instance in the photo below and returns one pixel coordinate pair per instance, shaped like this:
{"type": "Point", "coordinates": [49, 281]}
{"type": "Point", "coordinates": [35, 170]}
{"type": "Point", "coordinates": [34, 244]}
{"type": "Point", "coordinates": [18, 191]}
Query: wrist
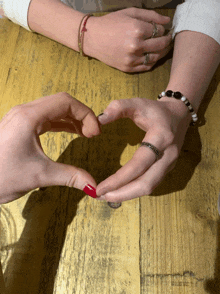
{"type": "Point", "coordinates": [89, 42]}
{"type": "Point", "coordinates": [56, 21]}
{"type": "Point", "coordinates": [176, 107]}
{"type": "Point", "coordinates": [192, 97]}
{"type": "Point", "coordinates": [81, 32]}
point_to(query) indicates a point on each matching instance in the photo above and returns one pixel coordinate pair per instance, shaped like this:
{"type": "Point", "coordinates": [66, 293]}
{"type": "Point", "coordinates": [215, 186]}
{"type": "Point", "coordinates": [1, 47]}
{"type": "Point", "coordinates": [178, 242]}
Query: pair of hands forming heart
{"type": "Point", "coordinates": [24, 165]}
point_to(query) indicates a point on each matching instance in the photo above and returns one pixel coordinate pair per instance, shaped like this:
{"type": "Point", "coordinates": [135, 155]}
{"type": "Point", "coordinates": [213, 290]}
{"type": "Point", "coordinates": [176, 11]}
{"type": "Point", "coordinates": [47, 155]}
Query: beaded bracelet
{"type": "Point", "coordinates": [179, 96]}
{"type": "Point", "coordinates": [81, 33]}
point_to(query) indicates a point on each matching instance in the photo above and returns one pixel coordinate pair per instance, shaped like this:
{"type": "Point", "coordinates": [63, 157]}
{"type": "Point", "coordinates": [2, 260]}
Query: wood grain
{"type": "Point", "coordinates": [61, 241]}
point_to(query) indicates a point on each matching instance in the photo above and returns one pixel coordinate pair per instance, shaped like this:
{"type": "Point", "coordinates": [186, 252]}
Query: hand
{"type": "Point", "coordinates": [121, 38]}
{"type": "Point", "coordinates": [23, 164]}
{"type": "Point", "coordinates": [166, 122]}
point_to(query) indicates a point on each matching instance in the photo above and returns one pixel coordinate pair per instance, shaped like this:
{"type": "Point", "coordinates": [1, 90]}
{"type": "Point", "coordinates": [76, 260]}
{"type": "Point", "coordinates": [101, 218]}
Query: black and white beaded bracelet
{"type": "Point", "coordinates": [179, 96]}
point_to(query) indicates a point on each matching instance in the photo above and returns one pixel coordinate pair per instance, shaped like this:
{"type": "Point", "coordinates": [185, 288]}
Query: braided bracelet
{"type": "Point", "coordinates": [179, 96]}
{"type": "Point", "coordinates": [81, 33]}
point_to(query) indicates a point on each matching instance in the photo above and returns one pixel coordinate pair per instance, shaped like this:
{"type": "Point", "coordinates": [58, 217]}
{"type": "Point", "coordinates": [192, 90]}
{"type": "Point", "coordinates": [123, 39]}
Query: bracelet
{"type": "Point", "coordinates": [81, 33]}
{"type": "Point", "coordinates": [179, 96]}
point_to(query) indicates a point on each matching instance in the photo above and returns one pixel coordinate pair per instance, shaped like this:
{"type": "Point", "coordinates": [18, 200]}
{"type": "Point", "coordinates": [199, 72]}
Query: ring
{"type": "Point", "coordinates": [147, 57]}
{"type": "Point", "coordinates": [155, 31]}
{"type": "Point", "coordinates": [152, 147]}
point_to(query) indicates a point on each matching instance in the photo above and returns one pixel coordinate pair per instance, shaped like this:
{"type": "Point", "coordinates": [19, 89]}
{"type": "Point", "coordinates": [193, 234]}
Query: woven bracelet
{"type": "Point", "coordinates": [179, 96]}
{"type": "Point", "coordinates": [81, 33]}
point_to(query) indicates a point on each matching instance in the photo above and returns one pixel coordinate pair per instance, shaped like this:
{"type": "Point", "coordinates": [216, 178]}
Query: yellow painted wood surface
{"type": "Point", "coordinates": [59, 240]}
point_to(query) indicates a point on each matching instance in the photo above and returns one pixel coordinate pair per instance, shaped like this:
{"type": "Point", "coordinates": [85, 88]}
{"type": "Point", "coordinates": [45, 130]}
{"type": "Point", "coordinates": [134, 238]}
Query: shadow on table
{"type": "Point", "coordinates": [212, 286]}
{"type": "Point", "coordinates": [190, 155]}
{"type": "Point", "coordinates": [33, 265]}
{"type": "Point", "coordinates": [189, 158]}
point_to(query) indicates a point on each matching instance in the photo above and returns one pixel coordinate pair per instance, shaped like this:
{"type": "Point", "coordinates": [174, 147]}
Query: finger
{"type": "Point", "coordinates": [152, 57]}
{"type": "Point", "coordinates": [59, 174]}
{"type": "Point", "coordinates": [148, 29]}
{"type": "Point", "coordinates": [118, 109]}
{"type": "Point", "coordinates": [142, 159]}
{"type": "Point", "coordinates": [147, 15]}
{"type": "Point", "coordinates": [145, 184]}
{"type": "Point", "coordinates": [157, 44]}
{"type": "Point", "coordinates": [59, 106]}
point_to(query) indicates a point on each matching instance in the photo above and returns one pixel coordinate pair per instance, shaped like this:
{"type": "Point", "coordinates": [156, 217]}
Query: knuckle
{"type": "Point", "coordinates": [132, 10]}
{"type": "Point", "coordinates": [20, 112]}
{"type": "Point", "coordinates": [137, 31]}
{"type": "Point", "coordinates": [66, 96]}
{"type": "Point", "coordinates": [16, 109]}
{"type": "Point", "coordinates": [115, 104]}
{"type": "Point", "coordinates": [72, 181]}
{"type": "Point", "coordinates": [133, 47]}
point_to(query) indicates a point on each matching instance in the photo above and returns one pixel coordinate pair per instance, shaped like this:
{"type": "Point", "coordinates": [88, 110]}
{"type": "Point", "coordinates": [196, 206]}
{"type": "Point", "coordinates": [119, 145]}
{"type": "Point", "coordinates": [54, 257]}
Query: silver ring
{"type": "Point", "coordinates": [155, 31]}
{"type": "Point", "coordinates": [147, 57]}
{"type": "Point", "coordinates": [152, 147]}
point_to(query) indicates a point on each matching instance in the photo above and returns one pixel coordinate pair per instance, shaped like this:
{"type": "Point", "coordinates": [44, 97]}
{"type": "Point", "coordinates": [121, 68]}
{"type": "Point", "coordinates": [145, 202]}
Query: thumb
{"type": "Point", "coordinates": [59, 174]}
{"type": "Point", "coordinates": [118, 109]}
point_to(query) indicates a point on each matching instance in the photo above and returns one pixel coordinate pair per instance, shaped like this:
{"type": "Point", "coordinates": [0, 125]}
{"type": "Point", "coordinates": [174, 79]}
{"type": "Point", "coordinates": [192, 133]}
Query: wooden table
{"type": "Point", "coordinates": [59, 241]}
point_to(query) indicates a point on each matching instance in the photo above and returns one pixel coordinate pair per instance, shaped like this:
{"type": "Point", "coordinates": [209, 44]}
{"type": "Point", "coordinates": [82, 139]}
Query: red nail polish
{"type": "Point", "coordinates": [90, 190]}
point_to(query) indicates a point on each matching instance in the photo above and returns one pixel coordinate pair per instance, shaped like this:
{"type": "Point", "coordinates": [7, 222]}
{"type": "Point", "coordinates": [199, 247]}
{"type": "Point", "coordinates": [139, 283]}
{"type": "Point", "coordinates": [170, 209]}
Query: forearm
{"type": "Point", "coordinates": [55, 20]}
{"type": "Point", "coordinates": [195, 60]}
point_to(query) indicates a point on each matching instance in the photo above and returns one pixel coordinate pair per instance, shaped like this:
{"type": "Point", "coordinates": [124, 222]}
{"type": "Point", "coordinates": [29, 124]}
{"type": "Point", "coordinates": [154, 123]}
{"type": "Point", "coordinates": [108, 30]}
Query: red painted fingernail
{"type": "Point", "coordinates": [90, 190]}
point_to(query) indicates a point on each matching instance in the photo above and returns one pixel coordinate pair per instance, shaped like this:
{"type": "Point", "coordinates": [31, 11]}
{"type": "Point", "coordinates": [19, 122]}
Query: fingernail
{"type": "Point", "coordinates": [90, 190]}
{"type": "Point", "coordinates": [101, 114]}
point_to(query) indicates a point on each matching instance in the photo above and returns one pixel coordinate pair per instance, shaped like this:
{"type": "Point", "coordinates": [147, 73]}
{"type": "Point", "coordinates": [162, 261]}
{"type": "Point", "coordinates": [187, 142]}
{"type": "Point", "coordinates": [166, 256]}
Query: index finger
{"type": "Point", "coordinates": [146, 183]}
{"type": "Point", "coordinates": [142, 160]}
{"type": "Point", "coordinates": [60, 106]}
